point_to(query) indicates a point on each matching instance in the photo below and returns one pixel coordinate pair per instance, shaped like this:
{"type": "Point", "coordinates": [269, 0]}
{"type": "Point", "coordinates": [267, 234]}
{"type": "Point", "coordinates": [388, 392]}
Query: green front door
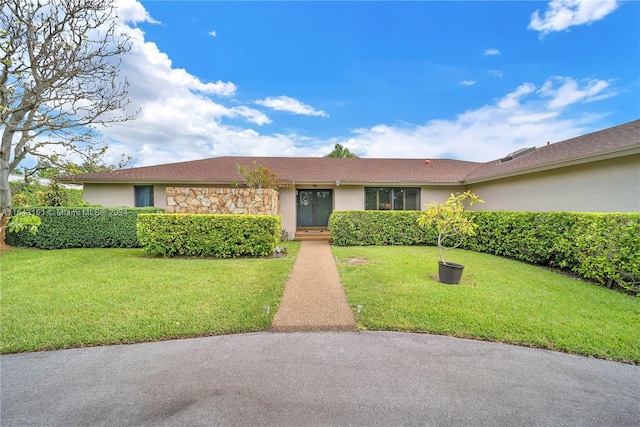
{"type": "Point", "coordinates": [314, 208]}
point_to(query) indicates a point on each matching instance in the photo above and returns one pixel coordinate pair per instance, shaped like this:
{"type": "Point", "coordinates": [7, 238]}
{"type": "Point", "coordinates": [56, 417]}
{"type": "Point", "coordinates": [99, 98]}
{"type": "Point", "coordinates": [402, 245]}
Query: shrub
{"type": "Point", "coordinates": [366, 228]}
{"type": "Point", "coordinates": [38, 195]}
{"type": "Point", "coordinates": [63, 228]}
{"type": "Point", "coordinates": [222, 236]}
{"type": "Point", "coordinates": [607, 249]}
{"type": "Point", "coordinates": [23, 221]}
{"type": "Point", "coordinates": [604, 247]}
{"type": "Point", "coordinates": [527, 236]}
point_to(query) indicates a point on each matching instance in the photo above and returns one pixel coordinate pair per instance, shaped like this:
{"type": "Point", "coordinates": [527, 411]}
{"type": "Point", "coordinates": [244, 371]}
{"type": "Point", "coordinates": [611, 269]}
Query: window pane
{"type": "Point", "coordinates": [377, 198]}
{"type": "Point", "coordinates": [412, 199]}
{"type": "Point", "coordinates": [398, 199]}
{"type": "Point", "coordinates": [143, 195]}
{"type": "Point", "coordinates": [384, 198]}
{"type": "Point", "coordinates": [371, 198]}
{"type": "Point", "coordinates": [380, 198]}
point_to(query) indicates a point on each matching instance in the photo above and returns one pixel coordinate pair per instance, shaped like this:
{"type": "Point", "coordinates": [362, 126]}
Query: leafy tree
{"type": "Point", "coordinates": [54, 195]}
{"type": "Point", "coordinates": [59, 78]}
{"type": "Point", "coordinates": [449, 219]}
{"type": "Point", "coordinates": [48, 169]}
{"type": "Point", "coordinates": [340, 151]}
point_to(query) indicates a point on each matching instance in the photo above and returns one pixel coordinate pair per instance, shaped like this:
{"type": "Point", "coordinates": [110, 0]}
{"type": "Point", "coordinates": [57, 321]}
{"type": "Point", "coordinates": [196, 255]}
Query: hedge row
{"type": "Point", "coordinates": [64, 228]}
{"type": "Point", "coordinates": [371, 228]}
{"type": "Point", "coordinates": [604, 247]}
{"type": "Point", "coordinates": [221, 236]}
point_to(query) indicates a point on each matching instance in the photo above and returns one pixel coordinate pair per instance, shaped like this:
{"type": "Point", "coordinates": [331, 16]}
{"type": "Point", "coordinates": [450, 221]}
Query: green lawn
{"type": "Point", "coordinates": [499, 300]}
{"type": "Point", "coordinates": [83, 297]}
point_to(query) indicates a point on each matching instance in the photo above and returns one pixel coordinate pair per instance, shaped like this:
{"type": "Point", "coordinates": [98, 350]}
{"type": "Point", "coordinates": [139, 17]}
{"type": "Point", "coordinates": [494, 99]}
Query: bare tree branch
{"type": "Point", "coordinates": [59, 77]}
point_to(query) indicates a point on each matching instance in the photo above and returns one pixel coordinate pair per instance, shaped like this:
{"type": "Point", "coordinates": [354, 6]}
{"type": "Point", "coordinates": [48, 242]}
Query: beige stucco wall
{"type": "Point", "coordinates": [160, 196]}
{"type": "Point", "coordinates": [288, 210]}
{"type": "Point", "coordinates": [437, 194]}
{"type": "Point", "coordinates": [108, 195]}
{"type": "Point", "coordinates": [348, 198]}
{"type": "Point", "coordinates": [606, 186]}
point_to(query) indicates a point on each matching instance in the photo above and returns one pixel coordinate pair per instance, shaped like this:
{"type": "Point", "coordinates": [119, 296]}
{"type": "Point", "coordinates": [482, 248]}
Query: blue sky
{"type": "Point", "coordinates": [466, 80]}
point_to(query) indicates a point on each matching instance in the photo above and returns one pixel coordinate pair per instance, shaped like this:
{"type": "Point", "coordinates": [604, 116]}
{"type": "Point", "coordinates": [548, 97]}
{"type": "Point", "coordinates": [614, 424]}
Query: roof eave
{"type": "Point", "coordinates": [148, 181]}
{"type": "Point", "coordinates": [375, 183]}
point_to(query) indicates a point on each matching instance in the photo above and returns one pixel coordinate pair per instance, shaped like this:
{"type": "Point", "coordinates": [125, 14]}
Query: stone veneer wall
{"type": "Point", "coordinates": [222, 201]}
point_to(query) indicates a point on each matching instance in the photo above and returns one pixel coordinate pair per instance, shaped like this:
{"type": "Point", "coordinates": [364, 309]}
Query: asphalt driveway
{"type": "Point", "coordinates": [317, 379]}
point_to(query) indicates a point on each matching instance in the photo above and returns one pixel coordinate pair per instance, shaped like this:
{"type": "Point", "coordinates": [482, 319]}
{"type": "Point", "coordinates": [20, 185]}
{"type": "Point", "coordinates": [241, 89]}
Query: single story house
{"type": "Point", "coordinates": [597, 172]}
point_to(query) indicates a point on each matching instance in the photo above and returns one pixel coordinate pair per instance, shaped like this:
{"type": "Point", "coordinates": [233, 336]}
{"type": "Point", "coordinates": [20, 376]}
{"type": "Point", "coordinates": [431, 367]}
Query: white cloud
{"type": "Point", "coordinates": [526, 117]}
{"type": "Point", "coordinates": [565, 91]}
{"type": "Point", "coordinates": [467, 83]}
{"type": "Point", "coordinates": [253, 116]}
{"type": "Point", "coordinates": [512, 100]}
{"type": "Point", "coordinates": [151, 70]}
{"type": "Point", "coordinates": [562, 14]}
{"type": "Point", "coordinates": [291, 105]}
{"type": "Point", "coordinates": [133, 12]}
{"type": "Point", "coordinates": [213, 33]}
{"type": "Point", "coordinates": [496, 73]}
{"type": "Point", "coordinates": [491, 52]}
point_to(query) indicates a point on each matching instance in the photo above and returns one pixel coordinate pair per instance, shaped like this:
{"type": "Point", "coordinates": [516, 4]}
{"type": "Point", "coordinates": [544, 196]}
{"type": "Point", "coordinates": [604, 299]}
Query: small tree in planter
{"type": "Point", "coordinates": [451, 224]}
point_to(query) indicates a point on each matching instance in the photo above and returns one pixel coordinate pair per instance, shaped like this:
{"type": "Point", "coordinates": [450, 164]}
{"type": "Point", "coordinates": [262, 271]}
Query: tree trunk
{"type": "Point", "coordinates": [440, 239]}
{"type": "Point", "coordinates": [4, 223]}
{"type": "Point", "coordinates": [5, 198]}
{"type": "Point", "coordinates": [5, 170]}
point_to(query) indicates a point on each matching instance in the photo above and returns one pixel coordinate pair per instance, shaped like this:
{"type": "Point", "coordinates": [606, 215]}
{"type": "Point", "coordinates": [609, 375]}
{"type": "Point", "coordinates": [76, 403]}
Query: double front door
{"type": "Point", "coordinates": [314, 207]}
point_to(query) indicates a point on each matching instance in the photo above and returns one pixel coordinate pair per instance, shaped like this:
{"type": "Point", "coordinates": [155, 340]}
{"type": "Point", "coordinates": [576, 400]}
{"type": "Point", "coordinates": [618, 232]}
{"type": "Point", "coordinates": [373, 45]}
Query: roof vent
{"type": "Point", "coordinates": [518, 153]}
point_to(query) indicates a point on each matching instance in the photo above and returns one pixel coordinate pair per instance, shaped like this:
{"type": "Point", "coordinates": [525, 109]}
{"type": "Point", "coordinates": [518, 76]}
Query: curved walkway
{"type": "Point", "coordinates": [314, 299]}
{"type": "Point", "coordinates": [316, 379]}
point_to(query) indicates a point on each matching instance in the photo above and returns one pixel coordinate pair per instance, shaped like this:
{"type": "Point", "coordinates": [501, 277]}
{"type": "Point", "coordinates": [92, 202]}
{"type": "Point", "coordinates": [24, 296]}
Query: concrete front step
{"type": "Point", "coordinates": [312, 234]}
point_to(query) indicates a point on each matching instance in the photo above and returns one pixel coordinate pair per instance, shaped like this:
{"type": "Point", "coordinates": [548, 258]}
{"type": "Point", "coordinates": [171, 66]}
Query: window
{"type": "Point", "coordinates": [392, 198]}
{"type": "Point", "coordinates": [143, 195]}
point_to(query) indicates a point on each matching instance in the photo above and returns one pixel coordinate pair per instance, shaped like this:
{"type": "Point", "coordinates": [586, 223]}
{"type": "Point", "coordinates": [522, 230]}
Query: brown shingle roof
{"type": "Point", "coordinates": [294, 169]}
{"type": "Point", "coordinates": [611, 142]}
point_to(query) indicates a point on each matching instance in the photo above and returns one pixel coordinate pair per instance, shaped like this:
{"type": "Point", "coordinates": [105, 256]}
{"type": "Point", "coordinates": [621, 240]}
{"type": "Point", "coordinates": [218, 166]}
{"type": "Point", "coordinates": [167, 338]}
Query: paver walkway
{"type": "Point", "coordinates": [314, 299]}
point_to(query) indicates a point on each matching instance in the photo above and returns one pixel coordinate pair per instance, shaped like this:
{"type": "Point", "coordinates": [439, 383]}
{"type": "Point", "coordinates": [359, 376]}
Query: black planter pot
{"type": "Point", "coordinates": [450, 273]}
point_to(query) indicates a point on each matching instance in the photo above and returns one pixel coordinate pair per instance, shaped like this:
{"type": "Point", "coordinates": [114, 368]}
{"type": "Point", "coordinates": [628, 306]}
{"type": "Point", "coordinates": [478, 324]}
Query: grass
{"type": "Point", "coordinates": [85, 297]}
{"type": "Point", "coordinates": [499, 300]}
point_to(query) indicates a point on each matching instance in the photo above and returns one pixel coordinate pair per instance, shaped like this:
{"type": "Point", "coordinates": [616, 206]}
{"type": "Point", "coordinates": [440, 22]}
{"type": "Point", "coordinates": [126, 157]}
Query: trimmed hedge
{"type": "Point", "coordinates": [64, 228]}
{"type": "Point", "coordinates": [604, 247]}
{"type": "Point", "coordinates": [370, 228]}
{"type": "Point", "coordinates": [215, 235]}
